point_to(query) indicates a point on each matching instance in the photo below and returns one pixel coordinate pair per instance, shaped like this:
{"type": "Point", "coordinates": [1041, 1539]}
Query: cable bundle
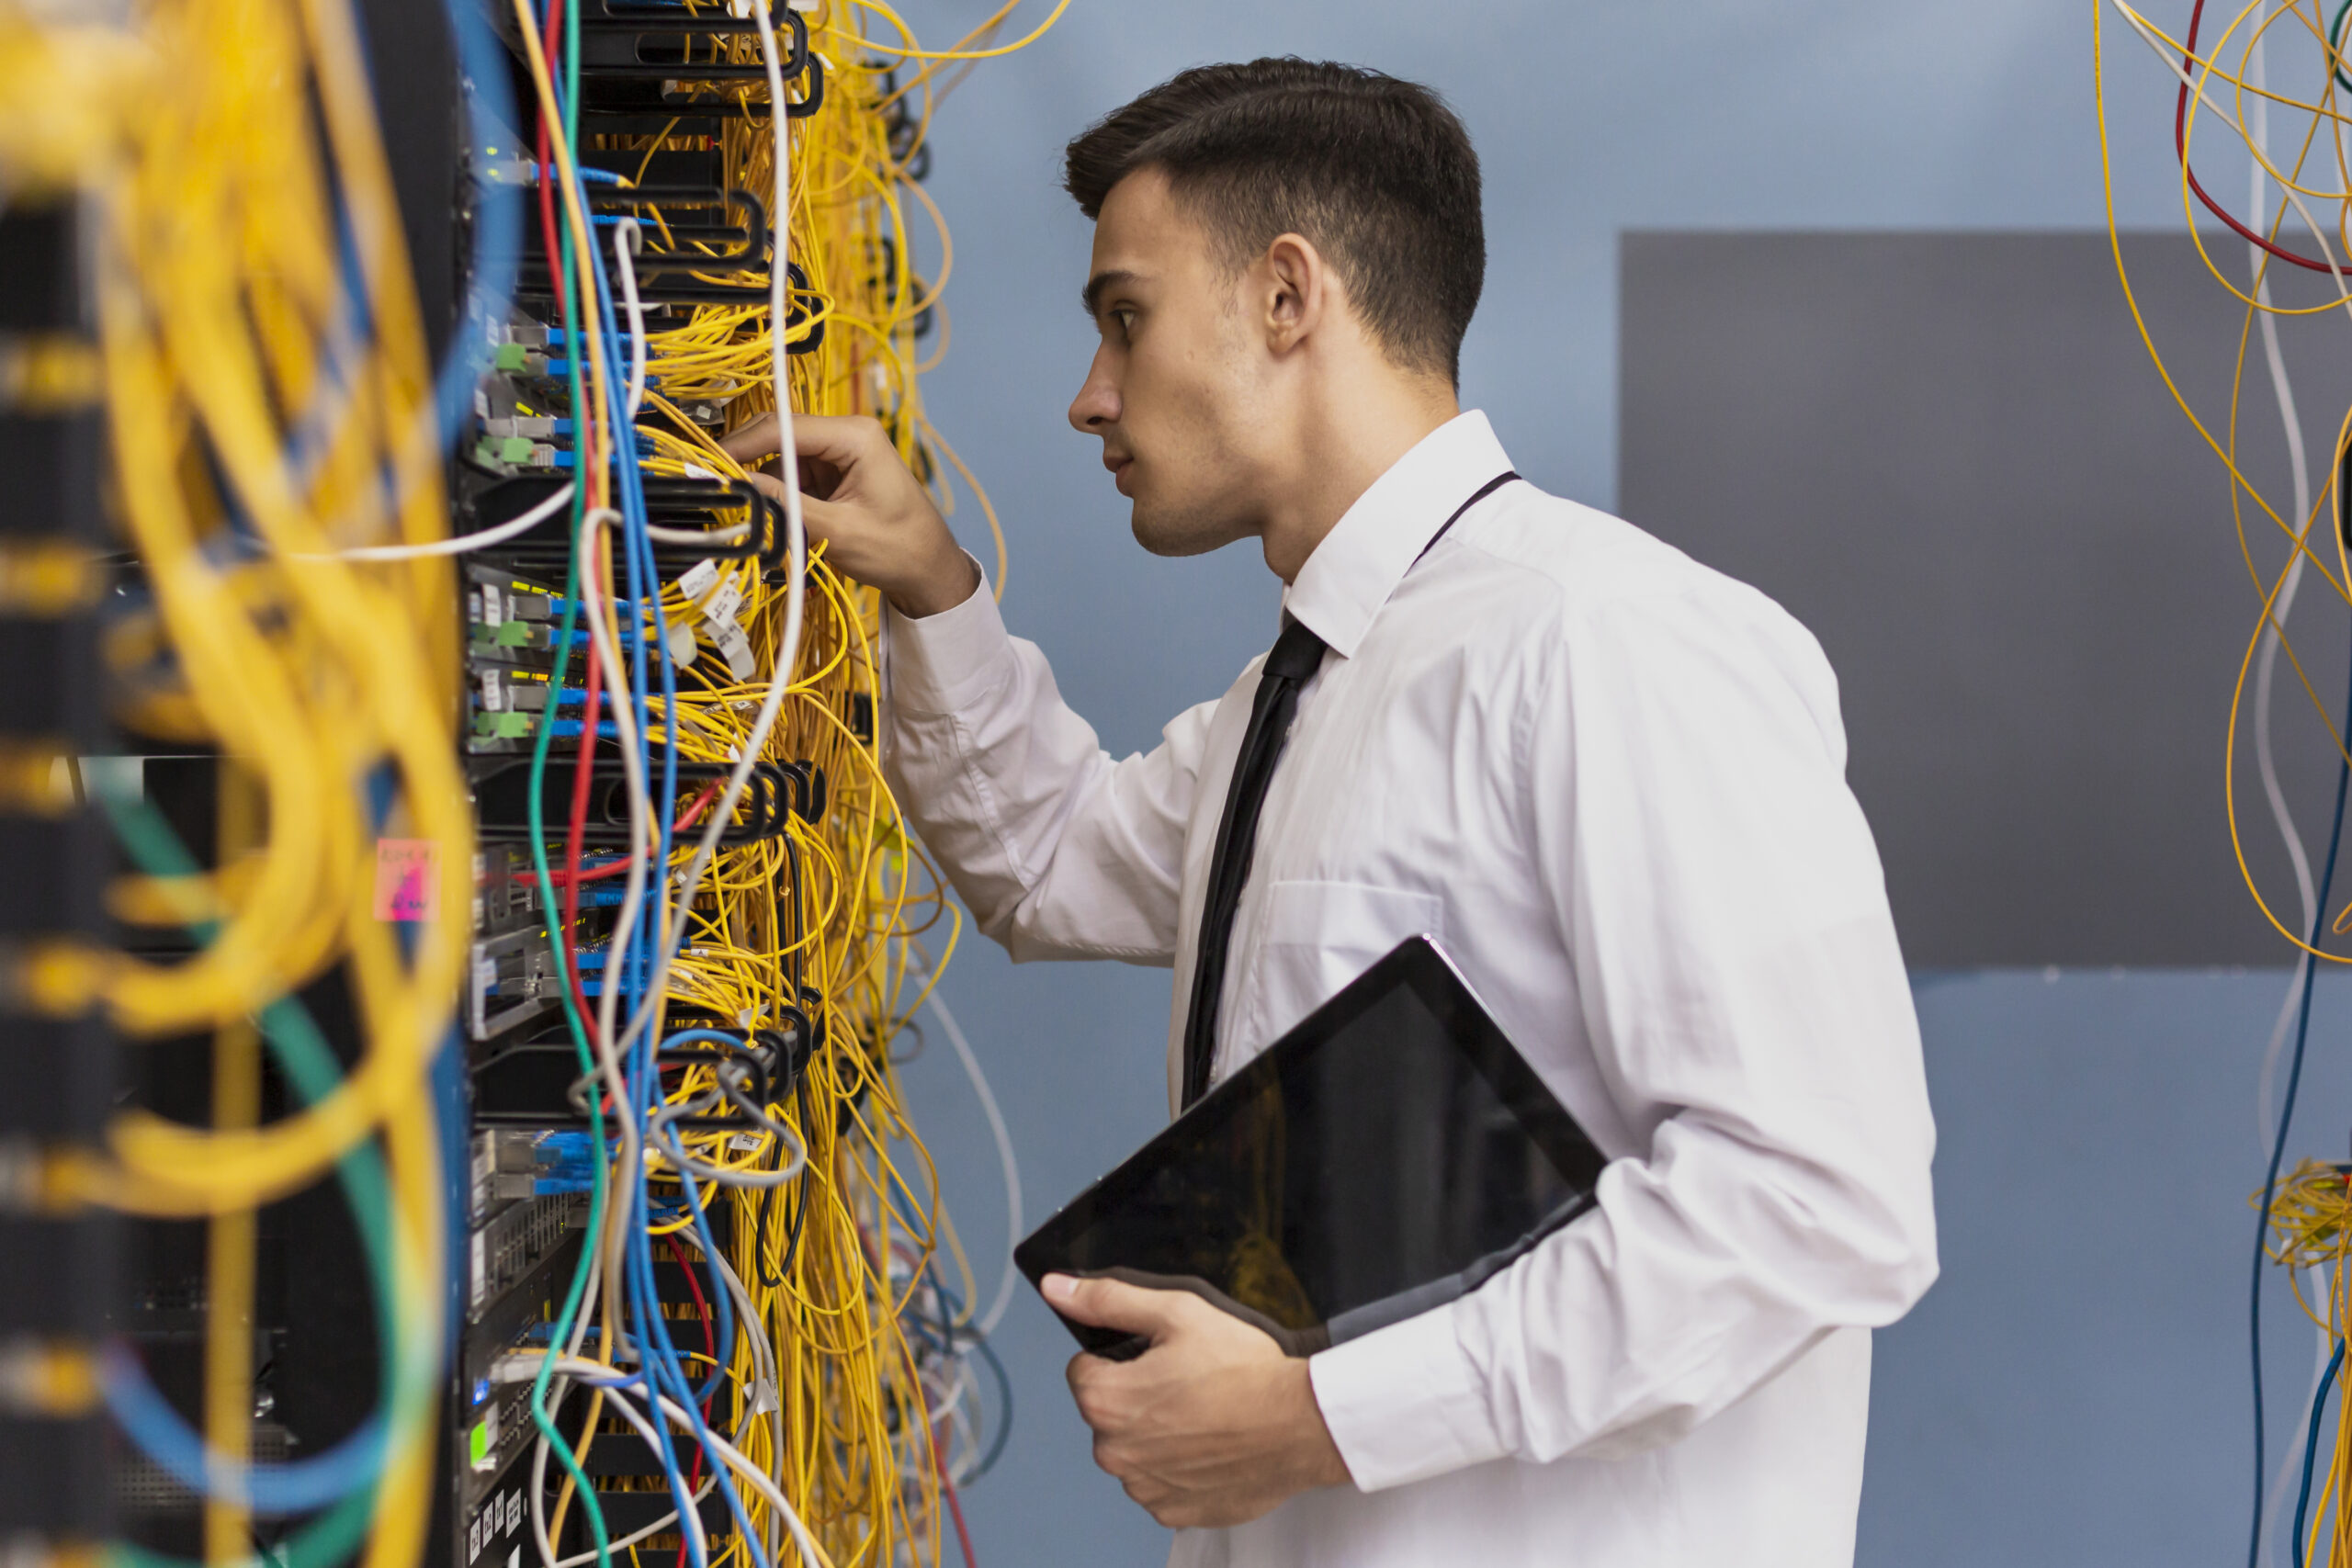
{"type": "Point", "coordinates": [2295, 217]}
{"type": "Point", "coordinates": [822, 1340]}
{"type": "Point", "coordinates": [758, 1313]}
{"type": "Point", "coordinates": [2311, 1226]}
{"type": "Point", "coordinates": [263, 376]}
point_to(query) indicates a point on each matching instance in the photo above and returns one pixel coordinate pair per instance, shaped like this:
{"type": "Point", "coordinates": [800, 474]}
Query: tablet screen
{"type": "Point", "coordinates": [1390, 1153]}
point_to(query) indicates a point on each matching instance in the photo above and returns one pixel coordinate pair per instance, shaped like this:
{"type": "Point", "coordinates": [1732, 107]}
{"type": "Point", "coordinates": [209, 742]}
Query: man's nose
{"type": "Point", "coordinates": [1097, 404]}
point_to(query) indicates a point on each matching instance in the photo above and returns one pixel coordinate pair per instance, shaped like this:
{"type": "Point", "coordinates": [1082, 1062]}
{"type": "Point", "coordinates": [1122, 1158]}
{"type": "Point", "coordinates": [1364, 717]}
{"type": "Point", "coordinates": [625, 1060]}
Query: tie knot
{"type": "Point", "coordinates": [1297, 653]}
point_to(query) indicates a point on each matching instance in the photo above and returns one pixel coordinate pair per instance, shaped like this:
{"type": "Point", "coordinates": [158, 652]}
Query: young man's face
{"type": "Point", "coordinates": [1174, 390]}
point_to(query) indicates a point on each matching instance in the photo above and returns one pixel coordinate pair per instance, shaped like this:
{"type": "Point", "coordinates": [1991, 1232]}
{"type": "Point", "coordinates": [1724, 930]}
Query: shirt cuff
{"type": "Point", "coordinates": [1405, 1403]}
{"type": "Point", "coordinates": [939, 662]}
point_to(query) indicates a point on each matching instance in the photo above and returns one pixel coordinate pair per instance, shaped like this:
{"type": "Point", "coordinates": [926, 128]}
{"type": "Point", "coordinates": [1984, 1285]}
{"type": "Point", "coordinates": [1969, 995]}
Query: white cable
{"type": "Point", "coordinates": [796, 530]}
{"type": "Point", "coordinates": [2283, 389]}
{"type": "Point", "coordinates": [728, 535]}
{"type": "Point", "coordinates": [523, 1366]}
{"type": "Point", "coordinates": [752, 1326]}
{"type": "Point", "coordinates": [665, 1140]}
{"type": "Point", "coordinates": [511, 528]}
{"type": "Point", "coordinates": [559, 1389]}
{"type": "Point", "coordinates": [1012, 1166]}
{"type": "Point", "coordinates": [548, 1559]}
{"type": "Point", "coordinates": [611, 1049]}
{"type": "Point", "coordinates": [625, 246]}
{"type": "Point", "coordinates": [2273, 632]}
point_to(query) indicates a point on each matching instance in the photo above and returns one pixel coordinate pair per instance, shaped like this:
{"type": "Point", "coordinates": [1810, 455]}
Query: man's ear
{"type": "Point", "coordinates": [1296, 292]}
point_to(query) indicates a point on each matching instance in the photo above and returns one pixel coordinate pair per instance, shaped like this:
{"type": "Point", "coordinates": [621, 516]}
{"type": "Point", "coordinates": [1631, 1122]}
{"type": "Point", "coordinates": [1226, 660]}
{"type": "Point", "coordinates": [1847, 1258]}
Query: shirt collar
{"type": "Point", "coordinates": [1376, 541]}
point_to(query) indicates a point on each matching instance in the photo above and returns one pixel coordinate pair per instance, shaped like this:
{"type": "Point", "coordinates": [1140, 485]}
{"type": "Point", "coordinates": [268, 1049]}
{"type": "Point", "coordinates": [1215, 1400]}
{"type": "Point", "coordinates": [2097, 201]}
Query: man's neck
{"type": "Point", "coordinates": [1342, 447]}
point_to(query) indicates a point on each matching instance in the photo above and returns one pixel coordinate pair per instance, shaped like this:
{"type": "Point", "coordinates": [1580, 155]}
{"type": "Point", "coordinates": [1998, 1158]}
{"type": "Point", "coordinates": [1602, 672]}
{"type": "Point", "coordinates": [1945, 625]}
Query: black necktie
{"type": "Point", "coordinates": [1296, 655]}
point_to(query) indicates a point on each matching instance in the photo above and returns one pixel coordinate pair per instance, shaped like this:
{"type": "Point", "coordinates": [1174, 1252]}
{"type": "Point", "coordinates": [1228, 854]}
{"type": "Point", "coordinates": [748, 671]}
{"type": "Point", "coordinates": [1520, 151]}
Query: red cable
{"type": "Point", "coordinates": [569, 877]}
{"type": "Point", "coordinates": [710, 1348]}
{"type": "Point", "coordinates": [954, 1504]}
{"type": "Point", "coordinates": [2180, 150]}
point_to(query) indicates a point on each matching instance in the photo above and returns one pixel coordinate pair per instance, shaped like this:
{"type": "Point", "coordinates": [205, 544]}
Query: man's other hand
{"type": "Point", "coordinates": [877, 524]}
{"type": "Point", "coordinates": [1213, 1424]}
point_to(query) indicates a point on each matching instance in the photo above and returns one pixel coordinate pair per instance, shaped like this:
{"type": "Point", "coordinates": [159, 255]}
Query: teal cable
{"type": "Point", "coordinates": [309, 1065]}
{"type": "Point", "coordinates": [560, 942]}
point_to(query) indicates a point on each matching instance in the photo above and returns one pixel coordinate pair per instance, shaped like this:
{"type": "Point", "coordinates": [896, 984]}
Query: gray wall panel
{"type": "Point", "coordinates": [1950, 456]}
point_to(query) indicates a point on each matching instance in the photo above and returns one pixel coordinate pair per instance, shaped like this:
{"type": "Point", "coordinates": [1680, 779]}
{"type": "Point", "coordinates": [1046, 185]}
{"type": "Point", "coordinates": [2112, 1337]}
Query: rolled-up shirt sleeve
{"type": "Point", "coordinates": [1725, 916]}
{"type": "Point", "coordinates": [1059, 850]}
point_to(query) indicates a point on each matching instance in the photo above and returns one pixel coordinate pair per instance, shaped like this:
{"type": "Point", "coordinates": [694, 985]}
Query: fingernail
{"type": "Point", "coordinates": [1059, 1289]}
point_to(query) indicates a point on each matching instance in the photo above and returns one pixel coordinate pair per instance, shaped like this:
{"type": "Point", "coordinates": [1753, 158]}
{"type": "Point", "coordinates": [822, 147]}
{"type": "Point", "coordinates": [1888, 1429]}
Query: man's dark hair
{"type": "Point", "coordinates": [1376, 173]}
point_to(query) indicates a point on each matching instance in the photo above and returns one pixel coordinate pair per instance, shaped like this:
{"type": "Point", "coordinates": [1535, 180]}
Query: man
{"type": "Point", "coordinates": [1609, 778]}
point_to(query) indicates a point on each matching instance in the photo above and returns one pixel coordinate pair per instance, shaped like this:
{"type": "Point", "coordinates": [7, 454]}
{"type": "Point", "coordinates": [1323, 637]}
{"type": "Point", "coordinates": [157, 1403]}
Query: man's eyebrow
{"type": "Point", "coordinates": [1091, 297]}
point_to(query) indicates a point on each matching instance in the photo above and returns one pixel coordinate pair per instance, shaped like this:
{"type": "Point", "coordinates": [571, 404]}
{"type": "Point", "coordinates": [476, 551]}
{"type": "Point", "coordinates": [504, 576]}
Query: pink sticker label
{"type": "Point", "coordinates": [408, 878]}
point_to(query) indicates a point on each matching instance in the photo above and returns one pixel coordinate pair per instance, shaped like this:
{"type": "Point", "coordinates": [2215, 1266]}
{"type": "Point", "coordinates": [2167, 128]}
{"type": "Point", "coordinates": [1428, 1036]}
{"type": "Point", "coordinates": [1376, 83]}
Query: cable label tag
{"type": "Point", "coordinates": [697, 579]}
{"type": "Point", "coordinates": [408, 878]}
{"type": "Point", "coordinates": [736, 647]}
{"type": "Point", "coordinates": [725, 603]}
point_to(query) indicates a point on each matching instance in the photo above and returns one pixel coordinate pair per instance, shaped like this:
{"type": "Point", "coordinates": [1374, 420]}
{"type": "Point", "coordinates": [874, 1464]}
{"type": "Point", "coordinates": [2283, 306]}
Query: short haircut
{"type": "Point", "coordinates": [1376, 173]}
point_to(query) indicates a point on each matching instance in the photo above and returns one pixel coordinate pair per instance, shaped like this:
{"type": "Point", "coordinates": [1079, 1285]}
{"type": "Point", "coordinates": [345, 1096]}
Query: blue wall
{"type": "Point", "coordinates": [2073, 1391]}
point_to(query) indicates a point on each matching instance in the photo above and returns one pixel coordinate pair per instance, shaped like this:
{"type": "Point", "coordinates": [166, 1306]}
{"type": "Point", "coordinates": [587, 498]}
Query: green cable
{"type": "Point", "coordinates": [309, 1065]}
{"type": "Point", "coordinates": [2335, 43]}
{"type": "Point", "coordinates": [560, 944]}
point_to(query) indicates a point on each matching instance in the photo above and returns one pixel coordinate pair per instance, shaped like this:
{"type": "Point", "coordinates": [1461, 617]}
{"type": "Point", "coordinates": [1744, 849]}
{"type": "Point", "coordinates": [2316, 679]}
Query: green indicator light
{"type": "Point", "coordinates": [478, 1442]}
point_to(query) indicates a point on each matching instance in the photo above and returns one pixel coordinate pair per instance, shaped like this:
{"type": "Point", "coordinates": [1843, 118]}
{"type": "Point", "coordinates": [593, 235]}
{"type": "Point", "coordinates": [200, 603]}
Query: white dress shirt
{"type": "Point", "coordinates": [1612, 783]}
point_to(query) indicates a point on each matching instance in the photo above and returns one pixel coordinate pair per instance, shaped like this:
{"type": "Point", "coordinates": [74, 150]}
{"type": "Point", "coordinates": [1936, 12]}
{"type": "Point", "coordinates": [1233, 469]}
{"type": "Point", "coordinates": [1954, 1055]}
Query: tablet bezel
{"type": "Point", "coordinates": [1419, 964]}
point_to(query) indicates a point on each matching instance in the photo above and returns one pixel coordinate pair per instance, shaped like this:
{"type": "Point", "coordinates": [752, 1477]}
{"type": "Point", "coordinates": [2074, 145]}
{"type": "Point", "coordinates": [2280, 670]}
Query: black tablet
{"type": "Point", "coordinates": [1391, 1153]}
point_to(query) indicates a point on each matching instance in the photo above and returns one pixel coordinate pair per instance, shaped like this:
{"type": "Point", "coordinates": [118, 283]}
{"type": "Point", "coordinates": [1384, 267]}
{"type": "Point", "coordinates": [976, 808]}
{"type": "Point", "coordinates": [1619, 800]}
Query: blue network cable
{"type": "Point", "coordinates": [498, 219]}
{"type": "Point", "coordinates": [661, 1365]}
{"type": "Point", "coordinates": [2311, 1446]}
{"type": "Point", "coordinates": [298, 1487]}
{"type": "Point", "coordinates": [2278, 1144]}
{"type": "Point", "coordinates": [150, 1423]}
{"type": "Point", "coordinates": [152, 1426]}
{"type": "Point", "coordinates": [943, 1334]}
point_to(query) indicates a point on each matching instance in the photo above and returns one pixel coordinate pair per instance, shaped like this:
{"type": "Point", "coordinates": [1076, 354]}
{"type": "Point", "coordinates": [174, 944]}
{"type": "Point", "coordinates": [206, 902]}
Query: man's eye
{"type": "Point", "coordinates": [1127, 320]}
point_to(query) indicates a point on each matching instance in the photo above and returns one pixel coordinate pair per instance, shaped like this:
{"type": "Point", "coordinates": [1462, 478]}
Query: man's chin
{"type": "Point", "coordinates": [1164, 535]}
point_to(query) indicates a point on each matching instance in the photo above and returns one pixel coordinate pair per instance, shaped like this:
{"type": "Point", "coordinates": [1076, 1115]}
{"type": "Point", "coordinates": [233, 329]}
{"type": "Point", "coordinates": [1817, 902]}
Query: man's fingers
{"type": "Point", "coordinates": [818, 514]}
{"type": "Point", "coordinates": [839, 439]}
{"type": "Point", "coordinates": [752, 442]}
{"type": "Point", "coordinates": [1113, 1303]}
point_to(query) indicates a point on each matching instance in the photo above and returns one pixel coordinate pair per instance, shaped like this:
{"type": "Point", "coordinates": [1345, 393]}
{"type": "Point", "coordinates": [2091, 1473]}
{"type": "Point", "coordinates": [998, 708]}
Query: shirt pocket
{"type": "Point", "coordinates": [1320, 935]}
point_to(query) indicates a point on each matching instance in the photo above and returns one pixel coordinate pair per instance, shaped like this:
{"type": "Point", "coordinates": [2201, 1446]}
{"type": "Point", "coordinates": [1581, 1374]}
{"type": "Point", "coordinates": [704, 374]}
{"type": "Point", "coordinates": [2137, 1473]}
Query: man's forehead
{"type": "Point", "coordinates": [1142, 235]}
{"type": "Point", "coordinates": [1142, 223]}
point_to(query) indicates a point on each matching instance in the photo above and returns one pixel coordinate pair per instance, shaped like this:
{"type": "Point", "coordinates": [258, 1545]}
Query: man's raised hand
{"type": "Point", "coordinates": [877, 523]}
